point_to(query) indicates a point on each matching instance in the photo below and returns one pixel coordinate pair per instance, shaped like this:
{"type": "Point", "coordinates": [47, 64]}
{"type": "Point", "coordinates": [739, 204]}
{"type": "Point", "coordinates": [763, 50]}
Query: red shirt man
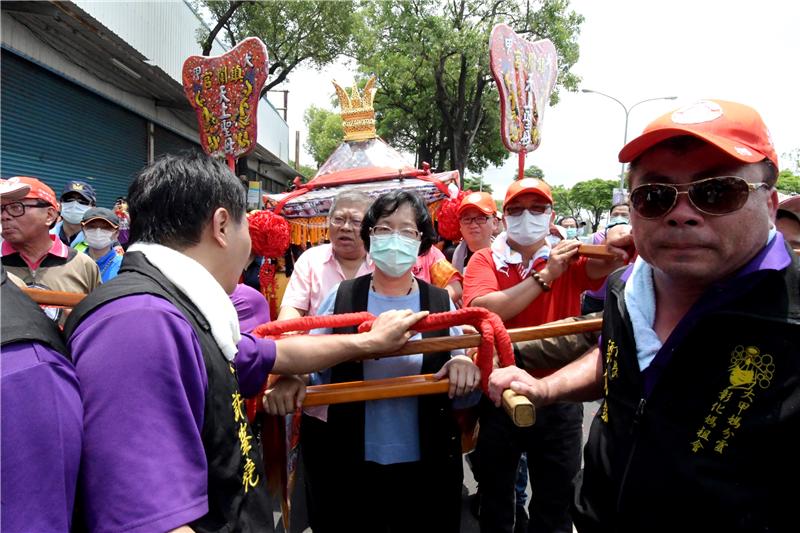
{"type": "Point", "coordinates": [527, 283]}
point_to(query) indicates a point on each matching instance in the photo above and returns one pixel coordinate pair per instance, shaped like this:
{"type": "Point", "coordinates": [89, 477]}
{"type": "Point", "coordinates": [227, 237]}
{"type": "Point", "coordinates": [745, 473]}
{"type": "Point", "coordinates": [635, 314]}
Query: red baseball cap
{"type": "Point", "coordinates": [734, 128]}
{"type": "Point", "coordinates": [13, 189]}
{"type": "Point", "coordinates": [482, 201]}
{"type": "Point", "coordinates": [528, 186]}
{"type": "Point", "coordinates": [39, 190]}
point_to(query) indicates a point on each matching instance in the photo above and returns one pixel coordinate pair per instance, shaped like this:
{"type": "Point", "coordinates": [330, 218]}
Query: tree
{"type": "Point", "coordinates": [595, 197]}
{"type": "Point", "coordinates": [307, 172]}
{"type": "Point", "coordinates": [475, 183]}
{"type": "Point", "coordinates": [563, 202]}
{"type": "Point", "coordinates": [532, 172]}
{"type": "Point", "coordinates": [295, 33]}
{"type": "Point", "coordinates": [325, 132]}
{"type": "Point", "coordinates": [431, 59]}
{"type": "Point", "coordinates": [788, 182]}
{"type": "Point", "coordinates": [793, 157]}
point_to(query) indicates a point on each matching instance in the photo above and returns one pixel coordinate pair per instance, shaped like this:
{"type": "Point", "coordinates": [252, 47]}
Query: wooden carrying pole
{"type": "Point", "coordinates": [518, 407]}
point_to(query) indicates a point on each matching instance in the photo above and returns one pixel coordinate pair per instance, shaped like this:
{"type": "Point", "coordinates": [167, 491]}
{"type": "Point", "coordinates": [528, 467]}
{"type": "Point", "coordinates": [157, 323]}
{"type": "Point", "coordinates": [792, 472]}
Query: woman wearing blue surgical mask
{"type": "Point", "coordinates": [571, 227]}
{"type": "Point", "coordinates": [381, 465]}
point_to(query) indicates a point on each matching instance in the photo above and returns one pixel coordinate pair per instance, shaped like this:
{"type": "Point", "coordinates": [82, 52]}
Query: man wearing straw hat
{"type": "Point", "coordinates": [699, 365]}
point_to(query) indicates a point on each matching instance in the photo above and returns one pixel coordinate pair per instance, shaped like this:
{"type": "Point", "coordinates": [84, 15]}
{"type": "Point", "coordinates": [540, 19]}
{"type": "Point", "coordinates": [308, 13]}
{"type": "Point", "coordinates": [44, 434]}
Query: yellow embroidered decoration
{"type": "Point", "coordinates": [238, 405]}
{"type": "Point", "coordinates": [250, 478]}
{"type": "Point", "coordinates": [611, 372]}
{"type": "Point", "coordinates": [750, 370]}
{"type": "Point", "coordinates": [244, 439]}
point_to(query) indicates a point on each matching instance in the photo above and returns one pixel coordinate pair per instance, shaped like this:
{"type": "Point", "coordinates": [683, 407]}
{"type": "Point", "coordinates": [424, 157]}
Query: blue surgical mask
{"type": "Point", "coordinates": [572, 233]}
{"type": "Point", "coordinates": [394, 255]}
{"type": "Point", "coordinates": [616, 221]}
{"type": "Point", "coordinates": [73, 211]}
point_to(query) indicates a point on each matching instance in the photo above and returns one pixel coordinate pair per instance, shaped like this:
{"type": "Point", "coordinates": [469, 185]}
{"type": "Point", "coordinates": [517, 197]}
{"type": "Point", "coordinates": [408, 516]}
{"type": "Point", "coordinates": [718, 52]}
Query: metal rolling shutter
{"type": "Point", "coordinates": [56, 131]}
{"type": "Point", "coordinates": [167, 142]}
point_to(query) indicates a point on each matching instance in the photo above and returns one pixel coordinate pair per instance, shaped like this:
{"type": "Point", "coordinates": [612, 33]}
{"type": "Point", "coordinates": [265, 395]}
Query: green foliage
{"type": "Point", "coordinates": [325, 133]}
{"type": "Point", "coordinates": [593, 196]}
{"type": "Point", "coordinates": [788, 182]}
{"type": "Point", "coordinates": [563, 202]}
{"type": "Point", "coordinates": [475, 183]}
{"type": "Point", "coordinates": [307, 172]}
{"type": "Point", "coordinates": [297, 32]}
{"type": "Point", "coordinates": [435, 96]}
{"type": "Point", "coordinates": [532, 172]}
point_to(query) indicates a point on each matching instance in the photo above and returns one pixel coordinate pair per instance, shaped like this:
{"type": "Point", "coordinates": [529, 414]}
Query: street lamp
{"type": "Point", "coordinates": [627, 114]}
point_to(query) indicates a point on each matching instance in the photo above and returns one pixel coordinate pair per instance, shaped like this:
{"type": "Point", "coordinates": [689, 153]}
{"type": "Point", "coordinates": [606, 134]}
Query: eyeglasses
{"type": "Point", "coordinates": [17, 209]}
{"type": "Point", "coordinates": [479, 220]}
{"type": "Point", "coordinates": [409, 233]}
{"type": "Point", "coordinates": [710, 196]}
{"type": "Point", "coordinates": [339, 221]}
{"type": "Point", "coordinates": [517, 210]}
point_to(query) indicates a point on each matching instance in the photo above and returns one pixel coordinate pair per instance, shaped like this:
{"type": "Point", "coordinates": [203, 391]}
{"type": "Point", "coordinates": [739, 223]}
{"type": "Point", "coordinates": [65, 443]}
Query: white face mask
{"type": "Point", "coordinates": [73, 211]}
{"type": "Point", "coordinates": [98, 238]}
{"type": "Point", "coordinates": [526, 229]}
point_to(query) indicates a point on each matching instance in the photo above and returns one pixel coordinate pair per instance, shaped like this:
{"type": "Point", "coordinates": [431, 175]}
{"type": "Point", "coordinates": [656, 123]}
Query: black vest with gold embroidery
{"type": "Point", "coordinates": [702, 448]}
{"type": "Point", "coordinates": [237, 497]}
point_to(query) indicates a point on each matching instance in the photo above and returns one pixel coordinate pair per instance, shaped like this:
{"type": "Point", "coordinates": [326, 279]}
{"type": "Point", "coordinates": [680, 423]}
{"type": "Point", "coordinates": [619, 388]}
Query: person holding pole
{"type": "Point", "coordinates": [698, 368]}
{"type": "Point", "coordinates": [164, 368]}
{"type": "Point", "coordinates": [528, 283]}
{"type": "Point", "coordinates": [384, 465]}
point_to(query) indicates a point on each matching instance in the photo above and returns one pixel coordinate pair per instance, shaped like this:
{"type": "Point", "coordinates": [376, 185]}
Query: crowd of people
{"type": "Point", "coordinates": [127, 413]}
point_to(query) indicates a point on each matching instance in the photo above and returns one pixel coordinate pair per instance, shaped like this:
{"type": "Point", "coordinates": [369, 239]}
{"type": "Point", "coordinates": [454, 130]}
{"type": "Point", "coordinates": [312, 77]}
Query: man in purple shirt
{"type": "Point", "coordinates": [164, 368]}
{"type": "Point", "coordinates": [699, 367]}
{"type": "Point", "coordinates": [42, 419]}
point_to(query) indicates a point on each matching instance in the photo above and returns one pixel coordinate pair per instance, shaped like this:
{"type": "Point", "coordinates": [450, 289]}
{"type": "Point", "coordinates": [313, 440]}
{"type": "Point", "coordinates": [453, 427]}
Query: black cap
{"type": "Point", "coordinates": [101, 213]}
{"type": "Point", "coordinates": [82, 188]}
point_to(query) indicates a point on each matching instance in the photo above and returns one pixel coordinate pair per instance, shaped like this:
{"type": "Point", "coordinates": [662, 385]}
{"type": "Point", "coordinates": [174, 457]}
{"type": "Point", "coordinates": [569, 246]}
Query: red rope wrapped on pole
{"type": "Point", "coordinates": [493, 335]}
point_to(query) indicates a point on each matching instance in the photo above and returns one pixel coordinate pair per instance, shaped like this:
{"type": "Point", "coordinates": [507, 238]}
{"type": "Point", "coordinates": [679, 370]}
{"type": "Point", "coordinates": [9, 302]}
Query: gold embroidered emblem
{"type": "Point", "coordinates": [749, 371]}
{"type": "Point", "coordinates": [611, 372]}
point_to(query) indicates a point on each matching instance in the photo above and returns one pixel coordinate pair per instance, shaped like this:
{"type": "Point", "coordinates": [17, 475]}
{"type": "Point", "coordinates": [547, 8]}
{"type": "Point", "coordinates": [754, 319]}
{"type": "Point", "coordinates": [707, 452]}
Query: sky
{"type": "Point", "coordinates": [736, 50]}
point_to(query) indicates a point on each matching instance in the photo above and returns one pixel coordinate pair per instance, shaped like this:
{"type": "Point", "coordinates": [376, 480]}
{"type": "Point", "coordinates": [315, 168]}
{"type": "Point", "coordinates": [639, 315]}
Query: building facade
{"type": "Point", "coordinates": [92, 91]}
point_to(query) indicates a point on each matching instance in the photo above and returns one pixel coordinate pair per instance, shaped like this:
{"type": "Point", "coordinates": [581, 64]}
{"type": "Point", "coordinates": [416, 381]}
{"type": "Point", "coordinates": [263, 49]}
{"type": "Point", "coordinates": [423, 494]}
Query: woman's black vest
{"type": "Point", "coordinates": [439, 433]}
{"type": "Point", "coordinates": [237, 494]}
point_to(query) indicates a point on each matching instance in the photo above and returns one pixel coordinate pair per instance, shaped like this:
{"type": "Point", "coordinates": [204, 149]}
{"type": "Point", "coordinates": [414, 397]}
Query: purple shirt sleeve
{"type": "Point", "coordinates": [143, 381]}
{"type": "Point", "coordinates": [41, 438]}
{"type": "Point", "coordinates": [254, 361]}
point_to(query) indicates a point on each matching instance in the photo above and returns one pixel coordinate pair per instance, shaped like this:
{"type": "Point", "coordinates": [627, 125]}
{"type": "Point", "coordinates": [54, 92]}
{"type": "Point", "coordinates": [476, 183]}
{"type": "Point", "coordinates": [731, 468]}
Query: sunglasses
{"type": "Point", "coordinates": [710, 196]}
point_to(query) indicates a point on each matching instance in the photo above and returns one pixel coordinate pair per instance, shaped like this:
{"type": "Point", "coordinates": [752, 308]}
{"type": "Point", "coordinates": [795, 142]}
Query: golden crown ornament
{"type": "Point", "coordinates": [358, 115]}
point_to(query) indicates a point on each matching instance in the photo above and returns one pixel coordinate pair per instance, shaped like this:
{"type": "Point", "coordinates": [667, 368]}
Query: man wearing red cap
{"type": "Point", "coordinates": [477, 222]}
{"type": "Point", "coordinates": [527, 283]}
{"type": "Point", "coordinates": [699, 359]}
{"type": "Point", "coordinates": [32, 254]}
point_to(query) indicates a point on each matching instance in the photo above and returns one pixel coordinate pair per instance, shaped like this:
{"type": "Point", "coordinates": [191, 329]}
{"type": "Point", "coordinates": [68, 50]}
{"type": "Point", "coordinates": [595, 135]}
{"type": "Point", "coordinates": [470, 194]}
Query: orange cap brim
{"type": "Point", "coordinates": [644, 142]}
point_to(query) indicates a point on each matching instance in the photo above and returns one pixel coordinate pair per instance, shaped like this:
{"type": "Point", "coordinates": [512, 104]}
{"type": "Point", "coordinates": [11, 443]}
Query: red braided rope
{"type": "Point", "coordinates": [489, 325]}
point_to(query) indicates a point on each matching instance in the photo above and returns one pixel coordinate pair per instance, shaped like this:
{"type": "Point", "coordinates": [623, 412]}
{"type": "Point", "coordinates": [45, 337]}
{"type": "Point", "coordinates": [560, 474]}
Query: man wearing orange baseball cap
{"type": "Point", "coordinates": [698, 367]}
{"type": "Point", "coordinates": [528, 283]}
{"type": "Point", "coordinates": [32, 254]}
{"type": "Point", "coordinates": [477, 221]}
